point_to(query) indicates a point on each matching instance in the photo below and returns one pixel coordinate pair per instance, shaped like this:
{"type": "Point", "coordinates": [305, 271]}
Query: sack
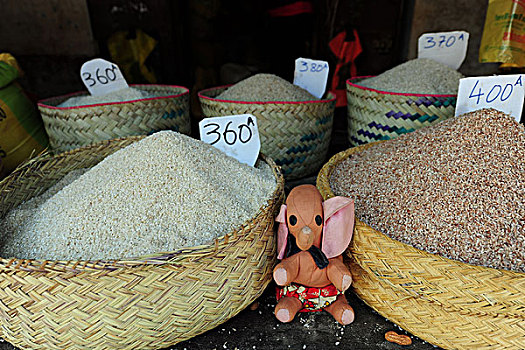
{"type": "Point", "coordinates": [503, 37]}
{"type": "Point", "coordinates": [22, 131]}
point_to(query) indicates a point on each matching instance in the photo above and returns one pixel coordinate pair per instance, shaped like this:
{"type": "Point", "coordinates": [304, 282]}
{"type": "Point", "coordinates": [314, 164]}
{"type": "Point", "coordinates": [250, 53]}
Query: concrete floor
{"type": "Point", "coordinates": [260, 329]}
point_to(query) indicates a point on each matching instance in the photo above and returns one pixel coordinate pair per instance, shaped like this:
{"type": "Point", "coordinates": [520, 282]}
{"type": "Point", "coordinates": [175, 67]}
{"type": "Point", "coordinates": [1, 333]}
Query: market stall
{"type": "Point", "coordinates": [312, 174]}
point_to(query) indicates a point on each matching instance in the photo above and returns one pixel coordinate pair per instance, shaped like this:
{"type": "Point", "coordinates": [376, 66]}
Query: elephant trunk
{"type": "Point", "coordinates": [305, 238]}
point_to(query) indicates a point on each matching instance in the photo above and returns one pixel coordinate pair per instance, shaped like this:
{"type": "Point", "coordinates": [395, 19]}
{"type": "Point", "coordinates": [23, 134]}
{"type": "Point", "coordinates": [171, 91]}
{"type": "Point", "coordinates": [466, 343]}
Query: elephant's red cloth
{"type": "Point", "coordinates": [313, 299]}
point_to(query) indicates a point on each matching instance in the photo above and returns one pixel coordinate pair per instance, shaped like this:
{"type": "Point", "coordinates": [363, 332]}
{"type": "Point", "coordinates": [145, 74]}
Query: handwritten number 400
{"type": "Point", "coordinates": [103, 79]}
{"type": "Point", "coordinates": [496, 91]}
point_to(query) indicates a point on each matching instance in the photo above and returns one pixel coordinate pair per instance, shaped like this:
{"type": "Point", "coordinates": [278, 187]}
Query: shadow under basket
{"type": "Point", "coordinates": [448, 303]}
{"type": "Point", "coordinates": [294, 134]}
{"type": "Point", "coordinates": [375, 115]}
{"type": "Point", "coordinates": [140, 303]}
{"type": "Point", "coordinates": [72, 127]}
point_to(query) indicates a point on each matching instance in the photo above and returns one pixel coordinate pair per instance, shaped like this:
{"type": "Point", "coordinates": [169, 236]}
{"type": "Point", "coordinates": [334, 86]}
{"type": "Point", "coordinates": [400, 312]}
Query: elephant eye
{"type": "Point", "coordinates": [318, 220]}
{"type": "Point", "coordinates": [292, 220]}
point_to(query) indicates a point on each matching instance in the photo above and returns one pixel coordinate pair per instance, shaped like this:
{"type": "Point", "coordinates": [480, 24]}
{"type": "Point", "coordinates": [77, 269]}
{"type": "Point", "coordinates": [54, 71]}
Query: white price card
{"type": "Point", "coordinates": [235, 135]}
{"type": "Point", "coordinates": [102, 77]}
{"type": "Point", "coordinates": [502, 92]}
{"type": "Point", "coordinates": [449, 48]}
{"type": "Point", "coordinates": [311, 75]}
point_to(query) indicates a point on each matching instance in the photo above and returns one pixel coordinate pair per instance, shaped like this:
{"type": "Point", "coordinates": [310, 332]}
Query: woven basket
{"type": "Point", "coordinates": [445, 302]}
{"type": "Point", "coordinates": [295, 134]}
{"type": "Point", "coordinates": [73, 127]}
{"type": "Point", "coordinates": [144, 303]}
{"type": "Point", "coordinates": [375, 115]}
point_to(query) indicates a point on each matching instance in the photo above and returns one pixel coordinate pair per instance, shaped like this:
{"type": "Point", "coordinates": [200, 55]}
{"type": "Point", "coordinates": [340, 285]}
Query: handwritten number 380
{"type": "Point", "coordinates": [110, 75]}
{"type": "Point", "coordinates": [314, 67]}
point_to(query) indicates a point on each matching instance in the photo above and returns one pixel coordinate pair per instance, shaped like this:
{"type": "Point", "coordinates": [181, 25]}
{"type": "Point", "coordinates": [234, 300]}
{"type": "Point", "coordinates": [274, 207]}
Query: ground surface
{"type": "Point", "coordinates": [259, 329]}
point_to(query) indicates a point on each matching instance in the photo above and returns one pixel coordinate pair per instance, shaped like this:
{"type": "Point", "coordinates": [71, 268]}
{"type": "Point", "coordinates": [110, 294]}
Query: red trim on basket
{"type": "Point", "coordinates": [42, 103]}
{"type": "Point", "coordinates": [389, 92]}
{"type": "Point", "coordinates": [200, 95]}
{"type": "Point", "coordinates": [293, 9]}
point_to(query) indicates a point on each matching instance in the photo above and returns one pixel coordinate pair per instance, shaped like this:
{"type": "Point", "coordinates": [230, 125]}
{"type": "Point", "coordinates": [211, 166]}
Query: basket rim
{"type": "Point", "coordinates": [350, 82]}
{"type": "Point", "coordinates": [42, 103]}
{"type": "Point", "coordinates": [201, 95]}
{"type": "Point", "coordinates": [323, 184]}
{"type": "Point", "coordinates": [157, 258]}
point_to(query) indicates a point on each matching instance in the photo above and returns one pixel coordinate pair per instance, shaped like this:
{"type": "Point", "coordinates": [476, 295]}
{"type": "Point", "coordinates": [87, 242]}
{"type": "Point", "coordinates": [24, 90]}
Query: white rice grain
{"type": "Point", "coordinates": [159, 194]}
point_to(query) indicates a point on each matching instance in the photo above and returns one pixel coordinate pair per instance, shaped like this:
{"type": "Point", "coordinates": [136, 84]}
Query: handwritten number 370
{"type": "Point", "coordinates": [448, 42]}
{"type": "Point", "coordinates": [103, 79]}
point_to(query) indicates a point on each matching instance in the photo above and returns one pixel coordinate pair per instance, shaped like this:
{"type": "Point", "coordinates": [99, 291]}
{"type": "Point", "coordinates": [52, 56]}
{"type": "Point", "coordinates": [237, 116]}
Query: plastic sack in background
{"type": "Point", "coordinates": [22, 131]}
{"type": "Point", "coordinates": [130, 52]}
{"type": "Point", "coordinates": [503, 37]}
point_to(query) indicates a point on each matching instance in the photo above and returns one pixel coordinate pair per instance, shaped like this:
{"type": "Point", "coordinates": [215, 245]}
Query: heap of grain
{"type": "Point", "coordinates": [265, 88]}
{"type": "Point", "coordinates": [421, 75]}
{"type": "Point", "coordinates": [127, 94]}
{"type": "Point", "coordinates": [159, 194]}
{"type": "Point", "coordinates": [456, 189]}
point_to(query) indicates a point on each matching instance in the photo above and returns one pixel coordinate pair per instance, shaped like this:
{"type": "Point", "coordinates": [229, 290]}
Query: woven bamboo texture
{"type": "Point", "coordinates": [295, 134]}
{"type": "Point", "coordinates": [144, 303]}
{"type": "Point", "coordinates": [445, 302]}
{"type": "Point", "coordinates": [73, 127]}
{"type": "Point", "coordinates": [374, 115]}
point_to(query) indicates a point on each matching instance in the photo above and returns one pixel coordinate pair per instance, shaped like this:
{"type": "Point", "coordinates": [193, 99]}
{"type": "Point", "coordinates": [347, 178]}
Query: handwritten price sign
{"type": "Point", "coordinates": [311, 75]}
{"type": "Point", "coordinates": [502, 92]}
{"type": "Point", "coordinates": [235, 135]}
{"type": "Point", "coordinates": [102, 77]}
{"type": "Point", "coordinates": [449, 48]}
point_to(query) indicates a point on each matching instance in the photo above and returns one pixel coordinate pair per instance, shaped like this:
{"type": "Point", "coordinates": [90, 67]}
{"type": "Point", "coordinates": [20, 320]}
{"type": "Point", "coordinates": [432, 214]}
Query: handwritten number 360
{"type": "Point", "coordinates": [103, 79]}
{"type": "Point", "coordinates": [230, 140]}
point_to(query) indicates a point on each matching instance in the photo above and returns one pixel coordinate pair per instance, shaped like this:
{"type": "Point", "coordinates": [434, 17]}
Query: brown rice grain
{"type": "Point", "coordinates": [455, 189]}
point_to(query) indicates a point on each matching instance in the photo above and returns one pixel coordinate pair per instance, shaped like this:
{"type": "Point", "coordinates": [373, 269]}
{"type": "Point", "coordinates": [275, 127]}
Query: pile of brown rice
{"type": "Point", "coordinates": [456, 189]}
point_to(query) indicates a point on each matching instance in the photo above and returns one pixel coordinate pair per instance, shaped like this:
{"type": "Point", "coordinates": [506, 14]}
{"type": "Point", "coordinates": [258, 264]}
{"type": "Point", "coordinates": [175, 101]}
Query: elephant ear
{"type": "Point", "coordinates": [282, 233]}
{"type": "Point", "coordinates": [338, 225]}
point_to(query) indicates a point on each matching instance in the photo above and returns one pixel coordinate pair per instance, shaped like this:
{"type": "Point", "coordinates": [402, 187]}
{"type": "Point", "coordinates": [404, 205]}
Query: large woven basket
{"type": "Point", "coordinates": [295, 134]}
{"type": "Point", "coordinates": [445, 302]}
{"type": "Point", "coordinates": [141, 303]}
{"type": "Point", "coordinates": [375, 115]}
{"type": "Point", "coordinates": [73, 127]}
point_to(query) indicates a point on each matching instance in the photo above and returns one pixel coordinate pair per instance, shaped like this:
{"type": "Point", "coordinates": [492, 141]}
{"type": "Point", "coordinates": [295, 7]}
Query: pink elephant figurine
{"type": "Point", "coordinates": [312, 236]}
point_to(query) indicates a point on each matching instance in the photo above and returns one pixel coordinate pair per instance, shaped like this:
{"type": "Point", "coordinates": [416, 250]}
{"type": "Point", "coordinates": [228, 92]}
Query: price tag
{"type": "Point", "coordinates": [311, 75]}
{"type": "Point", "coordinates": [102, 77]}
{"type": "Point", "coordinates": [502, 92]}
{"type": "Point", "coordinates": [449, 48]}
{"type": "Point", "coordinates": [235, 135]}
